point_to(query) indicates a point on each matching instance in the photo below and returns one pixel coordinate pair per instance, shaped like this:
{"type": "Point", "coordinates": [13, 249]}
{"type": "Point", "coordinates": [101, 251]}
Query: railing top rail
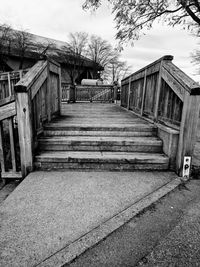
{"type": "Point", "coordinates": [186, 82]}
{"type": "Point", "coordinates": [95, 86]}
{"type": "Point", "coordinates": [4, 76]}
{"type": "Point", "coordinates": [166, 57]}
{"type": "Point", "coordinates": [31, 76]}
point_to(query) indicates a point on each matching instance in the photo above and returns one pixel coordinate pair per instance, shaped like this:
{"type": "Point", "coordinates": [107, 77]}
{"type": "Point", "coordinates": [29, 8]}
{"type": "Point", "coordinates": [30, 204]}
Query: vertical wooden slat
{"type": "Point", "coordinates": [12, 144]}
{"type": "Point", "coordinates": [143, 91]}
{"type": "Point", "coordinates": [129, 92]}
{"type": "Point", "coordinates": [24, 118]}
{"type": "Point", "coordinates": [59, 91]}
{"type": "Point", "coordinates": [2, 155]}
{"type": "Point", "coordinates": [158, 89]}
{"type": "Point", "coordinates": [48, 93]}
{"type": "Point", "coordinates": [9, 85]}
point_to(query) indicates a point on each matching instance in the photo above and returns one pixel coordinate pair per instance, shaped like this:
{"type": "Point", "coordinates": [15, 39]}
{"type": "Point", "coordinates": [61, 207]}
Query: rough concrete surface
{"type": "Point", "coordinates": [173, 221]}
{"type": "Point", "coordinates": [181, 247]}
{"type": "Point", "coordinates": [48, 211]}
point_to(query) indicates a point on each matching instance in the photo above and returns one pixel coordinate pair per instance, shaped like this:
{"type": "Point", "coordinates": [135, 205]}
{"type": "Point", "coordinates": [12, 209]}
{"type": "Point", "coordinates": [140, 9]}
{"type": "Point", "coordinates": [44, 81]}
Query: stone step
{"type": "Point", "coordinates": [104, 143]}
{"type": "Point", "coordinates": [100, 161]}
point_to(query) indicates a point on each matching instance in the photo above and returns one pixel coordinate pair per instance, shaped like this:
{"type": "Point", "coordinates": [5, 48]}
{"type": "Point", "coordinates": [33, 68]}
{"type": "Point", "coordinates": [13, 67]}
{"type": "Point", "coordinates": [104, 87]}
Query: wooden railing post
{"type": "Point", "coordinates": [48, 93]}
{"type": "Point", "coordinates": [158, 89]}
{"type": "Point", "coordinates": [129, 93]}
{"type": "Point", "coordinates": [188, 129]}
{"type": "Point", "coordinates": [24, 118]}
{"type": "Point", "coordinates": [143, 92]}
{"type": "Point", "coordinates": [60, 91]}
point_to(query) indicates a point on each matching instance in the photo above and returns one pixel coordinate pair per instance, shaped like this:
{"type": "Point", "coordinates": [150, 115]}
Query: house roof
{"type": "Point", "coordinates": [60, 51]}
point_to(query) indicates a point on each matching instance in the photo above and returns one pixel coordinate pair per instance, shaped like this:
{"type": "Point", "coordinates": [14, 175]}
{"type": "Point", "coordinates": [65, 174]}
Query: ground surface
{"type": "Point", "coordinates": [49, 210]}
{"type": "Point", "coordinates": [167, 234]}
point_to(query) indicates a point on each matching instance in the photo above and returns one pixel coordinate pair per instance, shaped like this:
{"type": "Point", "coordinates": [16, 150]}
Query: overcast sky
{"type": "Point", "coordinates": [55, 19]}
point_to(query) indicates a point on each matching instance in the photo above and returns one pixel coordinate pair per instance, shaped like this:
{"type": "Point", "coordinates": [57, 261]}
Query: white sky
{"type": "Point", "coordinates": [56, 19]}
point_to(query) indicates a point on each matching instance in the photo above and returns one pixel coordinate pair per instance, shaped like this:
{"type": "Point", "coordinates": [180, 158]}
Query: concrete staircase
{"type": "Point", "coordinates": [93, 136]}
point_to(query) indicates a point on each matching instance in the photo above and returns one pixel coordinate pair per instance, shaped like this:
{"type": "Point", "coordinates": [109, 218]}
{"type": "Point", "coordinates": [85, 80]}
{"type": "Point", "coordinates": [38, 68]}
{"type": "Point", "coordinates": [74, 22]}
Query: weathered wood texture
{"type": "Point", "coordinates": [68, 92]}
{"type": "Point", "coordinates": [8, 139]}
{"type": "Point", "coordinates": [8, 81]}
{"type": "Point", "coordinates": [37, 100]}
{"type": "Point", "coordinates": [101, 93]}
{"type": "Point", "coordinates": [164, 94]}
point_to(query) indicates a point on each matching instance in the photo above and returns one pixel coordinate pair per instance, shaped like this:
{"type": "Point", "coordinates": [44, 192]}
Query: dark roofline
{"type": "Point", "coordinates": [55, 52]}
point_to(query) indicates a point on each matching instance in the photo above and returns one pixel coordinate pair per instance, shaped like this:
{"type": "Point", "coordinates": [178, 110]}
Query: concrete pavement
{"type": "Point", "coordinates": [52, 217]}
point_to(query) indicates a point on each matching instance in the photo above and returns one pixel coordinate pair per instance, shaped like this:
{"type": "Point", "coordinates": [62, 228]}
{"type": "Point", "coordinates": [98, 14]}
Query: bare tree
{"type": "Point", "coordinates": [101, 53]}
{"type": "Point", "coordinates": [119, 70]}
{"type": "Point", "coordinates": [5, 44]}
{"type": "Point", "coordinates": [74, 53]}
{"type": "Point", "coordinates": [23, 44]}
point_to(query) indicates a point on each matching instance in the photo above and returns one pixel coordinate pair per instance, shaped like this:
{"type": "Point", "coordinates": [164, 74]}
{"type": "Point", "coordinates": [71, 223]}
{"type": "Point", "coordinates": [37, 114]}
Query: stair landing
{"type": "Point", "coordinates": [96, 136]}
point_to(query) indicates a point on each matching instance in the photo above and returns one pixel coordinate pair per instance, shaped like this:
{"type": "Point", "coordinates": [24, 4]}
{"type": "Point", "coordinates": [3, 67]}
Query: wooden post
{"type": "Point", "coordinates": [2, 155]}
{"type": "Point", "coordinates": [9, 85]}
{"type": "Point", "coordinates": [143, 92]}
{"type": "Point", "coordinates": [23, 104]}
{"type": "Point", "coordinates": [158, 89]}
{"type": "Point", "coordinates": [188, 129]}
{"type": "Point", "coordinates": [48, 93]}
{"type": "Point", "coordinates": [59, 91]}
{"type": "Point", "coordinates": [12, 144]}
{"type": "Point", "coordinates": [129, 92]}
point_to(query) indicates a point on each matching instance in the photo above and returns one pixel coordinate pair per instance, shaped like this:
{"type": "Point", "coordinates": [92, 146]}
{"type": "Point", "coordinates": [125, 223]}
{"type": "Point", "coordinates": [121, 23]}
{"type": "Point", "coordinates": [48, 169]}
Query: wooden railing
{"type": "Point", "coordinates": [165, 95]}
{"type": "Point", "coordinates": [68, 92]}
{"type": "Point", "coordinates": [9, 155]}
{"type": "Point", "coordinates": [8, 81]}
{"type": "Point", "coordinates": [38, 98]}
{"type": "Point", "coordinates": [101, 93]}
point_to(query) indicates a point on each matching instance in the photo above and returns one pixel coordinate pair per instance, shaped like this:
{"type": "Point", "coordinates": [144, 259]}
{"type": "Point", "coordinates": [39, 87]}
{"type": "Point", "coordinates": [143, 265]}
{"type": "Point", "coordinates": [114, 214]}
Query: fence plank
{"type": "Point", "coordinates": [143, 92]}
{"type": "Point", "coordinates": [12, 145]}
{"type": "Point", "coordinates": [7, 111]}
{"type": "Point", "coordinates": [24, 118]}
{"type": "Point", "coordinates": [2, 155]}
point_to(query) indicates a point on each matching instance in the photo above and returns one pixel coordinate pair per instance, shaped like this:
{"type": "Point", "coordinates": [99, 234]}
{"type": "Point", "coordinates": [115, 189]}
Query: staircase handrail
{"type": "Point", "coordinates": [164, 76]}
{"type": "Point", "coordinates": [38, 98]}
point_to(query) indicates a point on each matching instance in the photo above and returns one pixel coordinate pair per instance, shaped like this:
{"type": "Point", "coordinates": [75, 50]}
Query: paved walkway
{"type": "Point", "coordinates": [49, 211]}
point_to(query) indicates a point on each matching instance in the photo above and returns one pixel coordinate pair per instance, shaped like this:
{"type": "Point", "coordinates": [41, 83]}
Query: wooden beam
{"type": "Point", "coordinates": [30, 77]}
{"type": "Point", "coordinates": [143, 92]}
{"type": "Point", "coordinates": [7, 111]}
{"type": "Point", "coordinates": [166, 58]}
{"type": "Point", "coordinates": [59, 90]}
{"type": "Point", "coordinates": [54, 68]}
{"type": "Point", "coordinates": [158, 89]}
{"type": "Point", "coordinates": [188, 129]}
{"type": "Point", "coordinates": [129, 93]}
{"type": "Point", "coordinates": [11, 175]}
{"type": "Point", "coordinates": [24, 118]}
{"type": "Point", "coordinates": [48, 98]}
{"type": "Point", "coordinates": [38, 83]}
{"type": "Point", "coordinates": [173, 83]}
{"type": "Point", "coordinates": [9, 85]}
{"type": "Point", "coordinates": [7, 100]}
{"type": "Point", "coordinates": [12, 144]}
{"type": "Point", "coordinates": [2, 154]}
{"type": "Point", "coordinates": [187, 83]}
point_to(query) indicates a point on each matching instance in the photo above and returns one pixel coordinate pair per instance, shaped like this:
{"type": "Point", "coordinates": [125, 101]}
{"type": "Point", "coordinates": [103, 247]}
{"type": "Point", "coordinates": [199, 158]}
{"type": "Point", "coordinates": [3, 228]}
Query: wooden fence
{"type": "Point", "coordinates": [8, 81]}
{"type": "Point", "coordinates": [100, 93]}
{"type": "Point", "coordinates": [37, 99]}
{"type": "Point", "coordinates": [166, 96]}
